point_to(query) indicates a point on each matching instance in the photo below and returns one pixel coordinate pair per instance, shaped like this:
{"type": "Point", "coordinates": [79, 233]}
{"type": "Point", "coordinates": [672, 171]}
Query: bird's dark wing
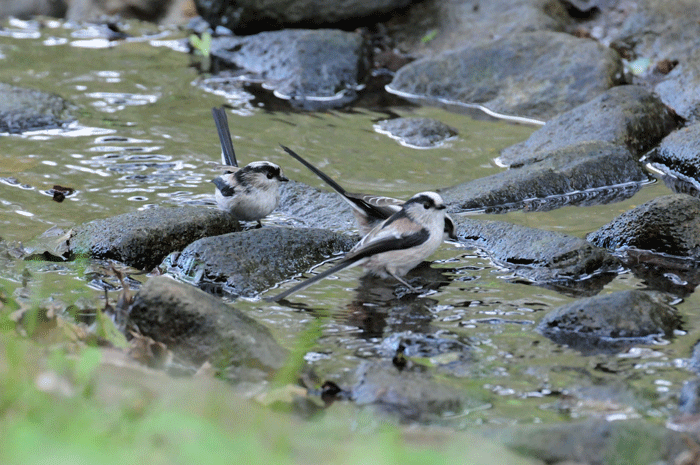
{"type": "Point", "coordinates": [226, 189]}
{"type": "Point", "coordinates": [228, 155]}
{"type": "Point", "coordinates": [388, 244]}
{"type": "Point", "coordinates": [450, 229]}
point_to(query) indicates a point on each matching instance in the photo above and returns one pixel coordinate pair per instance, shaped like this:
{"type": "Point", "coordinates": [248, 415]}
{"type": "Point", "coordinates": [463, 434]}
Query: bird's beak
{"type": "Point", "coordinates": [283, 178]}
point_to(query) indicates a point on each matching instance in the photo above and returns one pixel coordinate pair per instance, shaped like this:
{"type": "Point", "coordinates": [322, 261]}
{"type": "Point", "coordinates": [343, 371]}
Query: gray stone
{"type": "Point", "coordinates": [573, 174]}
{"type": "Point", "coordinates": [248, 262]}
{"type": "Point", "coordinates": [669, 224]}
{"type": "Point", "coordinates": [24, 110]}
{"type": "Point", "coordinates": [249, 15]}
{"type": "Point", "coordinates": [198, 327]}
{"type": "Point", "coordinates": [680, 88]}
{"type": "Point", "coordinates": [611, 321]}
{"type": "Point", "coordinates": [416, 132]}
{"type": "Point", "coordinates": [629, 116]}
{"type": "Point", "coordinates": [311, 68]}
{"type": "Point", "coordinates": [679, 154]}
{"type": "Point", "coordinates": [143, 238]}
{"type": "Point", "coordinates": [538, 255]}
{"type": "Point", "coordinates": [537, 75]}
{"type": "Point", "coordinates": [431, 27]}
{"type": "Point", "coordinates": [412, 395]}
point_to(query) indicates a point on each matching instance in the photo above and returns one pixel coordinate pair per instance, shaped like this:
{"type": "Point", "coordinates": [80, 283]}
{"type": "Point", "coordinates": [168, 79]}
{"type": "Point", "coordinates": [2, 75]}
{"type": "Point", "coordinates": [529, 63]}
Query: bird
{"type": "Point", "coordinates": [369, 210]}
{"type": "Point", "coordinates": [396, 245]}
{"type": "Point", "coordinates": [249, 193]}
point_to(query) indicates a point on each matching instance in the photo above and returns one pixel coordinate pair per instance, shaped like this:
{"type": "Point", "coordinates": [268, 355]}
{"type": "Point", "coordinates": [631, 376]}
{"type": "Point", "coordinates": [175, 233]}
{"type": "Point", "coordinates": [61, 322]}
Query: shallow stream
{"type": "Point", "coordinates": [145, 138]}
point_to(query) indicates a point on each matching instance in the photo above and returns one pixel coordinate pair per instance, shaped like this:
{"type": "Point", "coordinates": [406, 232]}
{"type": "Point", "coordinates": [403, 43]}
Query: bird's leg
{"type": "Point", "coordinates": [259, 225]}
{"type": "Point", "coordinates": [411, 288]}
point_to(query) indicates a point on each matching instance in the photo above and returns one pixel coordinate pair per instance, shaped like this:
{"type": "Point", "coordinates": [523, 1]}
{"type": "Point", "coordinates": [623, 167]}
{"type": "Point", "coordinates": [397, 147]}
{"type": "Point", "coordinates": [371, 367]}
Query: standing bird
{"type": "Point", "coordinates": [369, 210]}
{"type": "Point", "coordinates": [249, 193]}
{"type": "Point", "coordinates": [396, 245]}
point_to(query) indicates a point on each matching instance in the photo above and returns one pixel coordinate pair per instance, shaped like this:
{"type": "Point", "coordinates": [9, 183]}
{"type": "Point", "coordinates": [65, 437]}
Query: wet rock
{"type": "Point", "coordinates": [431, 27]}
{"type": "Point", "coordinates": [659, 30]}
{"type": "Point", "coordinates": [569, 171]}
{"type": "Point", "coordinates": [612, 321]}
{"type": "Point", "coordinates": [535, 254]}
{"type": "Point", "coordinates": [198, 327]}
{"type": "Point", "coordinates": [416, 132]}
{"type": "Point", "coordinates": [677, 155]}
{"type": "Point", "coordinates": [312, 68]}
{"type": "Point", "coordinates": [594, 441]}
{"type": "Point", "coordinates": [162, 11]}
{"type": "Point", "coordinates": [309, 207]}
{"type": "Point", "coordinates": [668, 224]}
{"type": "Point", "coordinates": [678, 90]}
{"type": "Point", "coordinates": [251, 15]}
{"type": "Point", "coordinates": [538, 75]}
{"type": "Point", "coordinates": [143, 238]}
{"type": "Point", "coordinates": [629, 116]}
{"type": "Point", "coordinates": [413, 395]}
{"type": "Point", "coordinates": [248, 262]}
{"type": "Point", "coordinates": [24, 110]}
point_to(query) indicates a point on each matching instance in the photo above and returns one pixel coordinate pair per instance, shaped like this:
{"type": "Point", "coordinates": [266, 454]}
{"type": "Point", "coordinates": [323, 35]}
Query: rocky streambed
{"type": "Point", "coordinates": [610, 93]}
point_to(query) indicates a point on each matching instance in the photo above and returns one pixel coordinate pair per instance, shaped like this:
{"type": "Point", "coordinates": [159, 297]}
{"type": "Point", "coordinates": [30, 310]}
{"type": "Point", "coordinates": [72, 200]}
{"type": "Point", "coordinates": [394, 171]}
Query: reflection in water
{"type": "Point", "coordinates": [383, 306]}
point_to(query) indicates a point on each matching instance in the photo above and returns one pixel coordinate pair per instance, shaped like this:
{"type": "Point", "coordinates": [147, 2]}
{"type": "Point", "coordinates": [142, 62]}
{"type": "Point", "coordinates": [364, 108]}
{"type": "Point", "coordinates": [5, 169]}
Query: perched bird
{"type": "Point", "coordinates": [369, 210]}
{"type": "Point", "coordinates": [396, 245]}
{"type": "Point", "coordinates": [249, 193]}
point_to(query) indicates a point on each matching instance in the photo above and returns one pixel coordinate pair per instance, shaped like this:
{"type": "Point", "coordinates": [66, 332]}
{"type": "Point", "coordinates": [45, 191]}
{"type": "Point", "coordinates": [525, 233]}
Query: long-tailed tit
{"type": "Point", "coordinates": [396, 245]}
{"type": "Point", "coordinates": [249, 193]}
{"type": "Point", "coordinates": [369, 210]}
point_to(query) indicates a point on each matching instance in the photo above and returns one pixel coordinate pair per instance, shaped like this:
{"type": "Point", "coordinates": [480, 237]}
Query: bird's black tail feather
{"type": "Point", "coordinates": [324, 274]}
{"type": "Point", "coordinates": [228, 156]}
{"type": "Point", "coordinates": [327, 179]}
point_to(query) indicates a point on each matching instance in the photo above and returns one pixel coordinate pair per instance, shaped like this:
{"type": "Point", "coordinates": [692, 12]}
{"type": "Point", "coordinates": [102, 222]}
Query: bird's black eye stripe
{"type": "Point", "coordinates": [426, 205]}
{"type": "Point", "coordinates": [270, 175]}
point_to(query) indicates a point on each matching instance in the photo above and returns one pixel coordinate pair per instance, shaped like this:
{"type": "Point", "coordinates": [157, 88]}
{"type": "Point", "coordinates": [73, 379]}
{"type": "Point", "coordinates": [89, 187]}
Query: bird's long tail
{"type": "Point", "coordinates": [324, 274]}
{"type": "Point", "coordinates": [228, 156]}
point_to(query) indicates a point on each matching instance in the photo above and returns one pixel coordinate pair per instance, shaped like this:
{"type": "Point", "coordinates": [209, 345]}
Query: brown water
{"type": "Point", "coordinates": [144, 137]}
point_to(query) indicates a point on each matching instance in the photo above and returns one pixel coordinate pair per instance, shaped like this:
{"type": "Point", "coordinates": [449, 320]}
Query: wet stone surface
{"type": "Point", "coordinates": [548, 257]}
{"type": "Point", "coordinates": [669, 224]}
{"type": "Point", "coordinates": [143, 238]}
{"type": "Point", "coordinates": [474, 75]}
{"type": "Point", "coordinates": [629, 116]}
{"type": "Point", "coordinates": [611, 322]}
{"type": "Point", "coordinates": [249, 262]}
{"type": "Point", "coordinates": [586, 166]}
{"type": "Point", "coordinates": [421, 133]}
{"type": "Point", "coordinates": [199, 328]}
{"type": "Point", "coordinates": [677, 154]}
{"type": "Point", "coordinates": [313, 69]}
{"type": "Point", "coordinates": [27, 109]}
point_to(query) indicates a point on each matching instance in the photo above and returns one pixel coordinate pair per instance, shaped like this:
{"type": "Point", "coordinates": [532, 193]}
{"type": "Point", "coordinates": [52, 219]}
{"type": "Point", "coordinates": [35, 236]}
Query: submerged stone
{"type": "Point", "coordinates": [629, 116]}
{"type": "Point", "coordinates": [198, 327]}
{"type": "Point", "coordinates": [416, 132]}
{"type": "Point", "coordinates": [412, 395]}
{"type": "Point", "coordinates": [669, 224]}
{"type": "Point", "coordinates": [585, 173]}
{"type": "Point", "coordinates": [142, 239]}
{"type": "Point", "coordinates": [28, 109]}
{"type": "Point", "coordinates": [612, 321]}
{"type": "Point", "coordinates": [249, 262]}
